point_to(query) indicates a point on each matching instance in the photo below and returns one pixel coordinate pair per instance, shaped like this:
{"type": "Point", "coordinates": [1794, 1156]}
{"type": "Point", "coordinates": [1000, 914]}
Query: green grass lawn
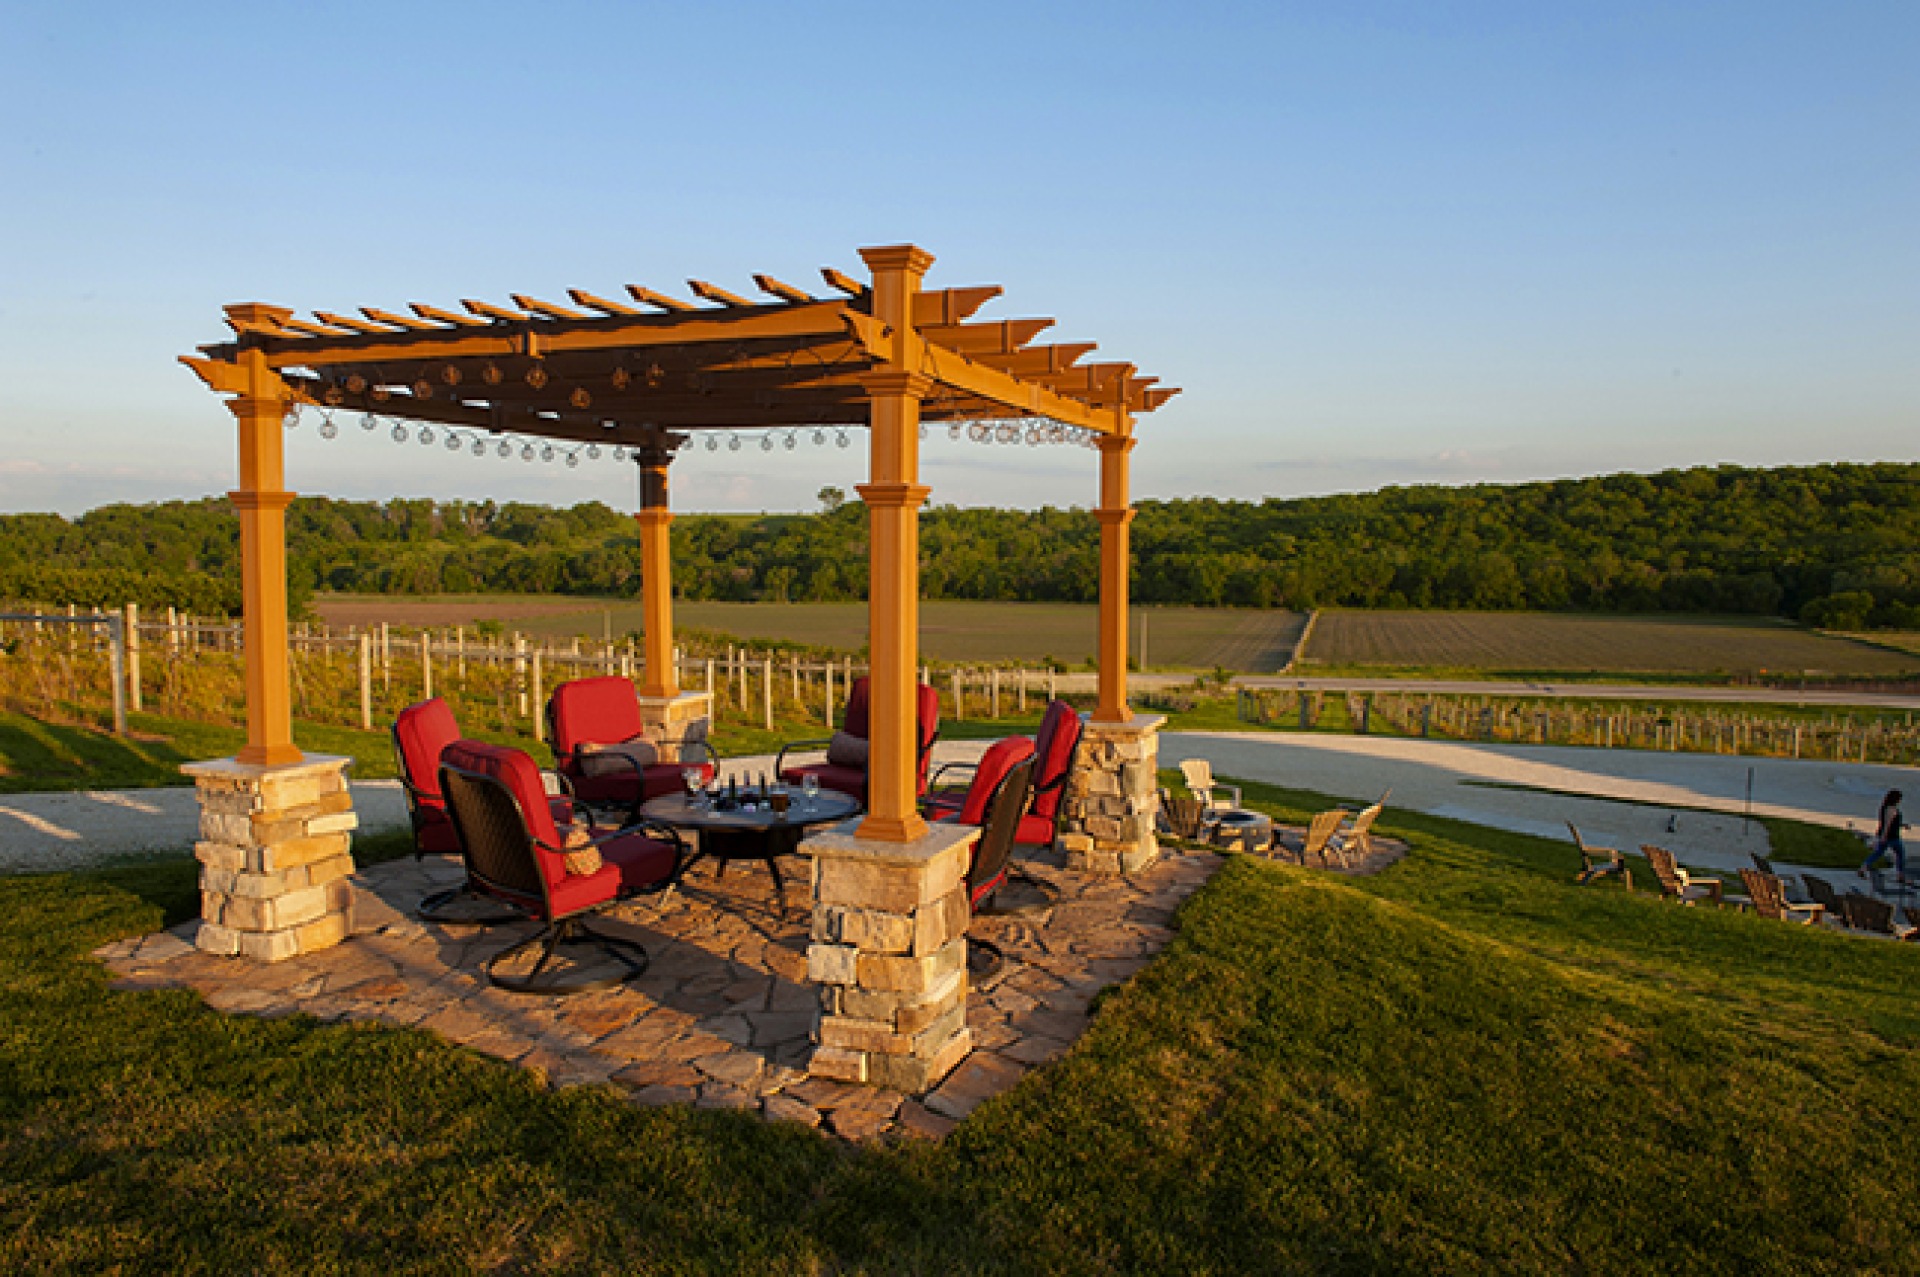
{"type": "Point", "coordinates": [1465, 1064]}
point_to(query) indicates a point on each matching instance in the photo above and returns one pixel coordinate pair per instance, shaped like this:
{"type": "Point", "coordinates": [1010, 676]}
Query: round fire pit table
{"type": "Point", "coordinates": [1242, 831]}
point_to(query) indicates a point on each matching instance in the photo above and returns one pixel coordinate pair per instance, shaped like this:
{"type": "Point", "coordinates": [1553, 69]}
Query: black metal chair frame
{"type": "Point", "coordinates": [993, 852]}
{"type": "Point", "coordinates": [498, 849]}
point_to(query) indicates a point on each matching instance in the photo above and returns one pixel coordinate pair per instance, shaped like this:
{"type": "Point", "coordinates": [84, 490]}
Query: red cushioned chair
{"type": "Point", "coordinates": [993, 855]}
{"type": "Point", "coordinates": [515, 854]}
{"type": "Point", "coordinates": [969, 806]}
{"type": "Point", "coordinates": [606, 711]}
{"type": "Point", "coordinates": [1053, 749]}
{"type": "Point", "coordinates": [420, 733]}
{"type": "Point", "coordinates": [856, 722]}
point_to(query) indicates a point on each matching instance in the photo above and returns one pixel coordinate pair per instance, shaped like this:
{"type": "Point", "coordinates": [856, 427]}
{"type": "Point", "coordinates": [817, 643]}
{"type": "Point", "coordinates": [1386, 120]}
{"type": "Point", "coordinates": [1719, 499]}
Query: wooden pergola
{"type": "Point", "coordinates": [645, 375]}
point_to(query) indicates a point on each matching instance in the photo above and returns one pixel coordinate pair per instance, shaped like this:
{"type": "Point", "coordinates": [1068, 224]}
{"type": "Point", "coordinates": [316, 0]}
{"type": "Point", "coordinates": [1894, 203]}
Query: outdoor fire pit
{"type": "Point", "coordinates": [1238, 830]}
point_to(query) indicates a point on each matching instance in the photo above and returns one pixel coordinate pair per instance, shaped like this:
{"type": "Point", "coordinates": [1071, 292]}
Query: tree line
{"type": "Point", "coordinates": [1836, 545]}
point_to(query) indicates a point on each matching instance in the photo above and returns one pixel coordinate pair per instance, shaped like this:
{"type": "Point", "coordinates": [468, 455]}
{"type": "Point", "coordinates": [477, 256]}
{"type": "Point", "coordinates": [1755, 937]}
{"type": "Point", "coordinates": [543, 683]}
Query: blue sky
{"type": "Point", "coordinates": [1376, 243]}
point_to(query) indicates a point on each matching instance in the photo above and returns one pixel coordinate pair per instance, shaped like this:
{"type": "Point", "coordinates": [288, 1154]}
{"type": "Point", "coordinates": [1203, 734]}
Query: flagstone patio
{"type": "Point", "coordinates": [722, 1016]}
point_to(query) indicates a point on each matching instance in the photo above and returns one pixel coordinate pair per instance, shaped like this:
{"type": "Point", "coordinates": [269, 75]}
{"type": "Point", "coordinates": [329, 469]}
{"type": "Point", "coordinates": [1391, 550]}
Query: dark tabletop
{"type": "Point", "coordinates": [824, 808]}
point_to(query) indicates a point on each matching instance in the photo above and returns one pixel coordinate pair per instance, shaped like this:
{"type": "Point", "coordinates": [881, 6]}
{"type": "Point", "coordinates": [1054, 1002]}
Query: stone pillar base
{"type": "Point", "coordinates": [671, 719]}
{"type": "Point", "coordinates": [890, 954]}
{"type": "Point", "coordinates": [1112, 798]}
{"type": "Point", "coordinates": [274, 855]}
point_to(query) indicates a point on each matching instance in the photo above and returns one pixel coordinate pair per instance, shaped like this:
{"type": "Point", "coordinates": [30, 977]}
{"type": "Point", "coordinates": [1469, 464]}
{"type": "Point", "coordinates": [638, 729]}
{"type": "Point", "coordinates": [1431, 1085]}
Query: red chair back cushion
{"type": "Point", "coordinates": [1001, 757]}
{"type": "Point", "coordinates": [424, 730]}
{"type": "Point", "coordinates": [514, 769]}
{"type": "Point", "coordinates": [1058, 737]}
{"type": "Point", "coordinates": [857, 722]}
{"type": "Point", "coordinates": [600, 711]}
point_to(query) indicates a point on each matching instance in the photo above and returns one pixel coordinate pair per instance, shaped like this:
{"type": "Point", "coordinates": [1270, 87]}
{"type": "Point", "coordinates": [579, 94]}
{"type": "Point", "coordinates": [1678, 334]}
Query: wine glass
{"type": "Point", "coordinates": [692, 778]}
{"type": "Point", "coordinates": [810, 785]}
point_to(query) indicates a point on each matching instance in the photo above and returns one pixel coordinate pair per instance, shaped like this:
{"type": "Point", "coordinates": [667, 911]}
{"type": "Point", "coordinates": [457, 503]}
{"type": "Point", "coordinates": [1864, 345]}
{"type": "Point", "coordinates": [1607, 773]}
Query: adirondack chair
{"type": "Point", "coordinates": [1201, 784]}
{"type": "Point", "coordinates": [1320, 839]}
{"type": "Point", "coordinates": [1765, 865]}
{"type": "Point", "coordinates": [1875, 916]}
{"type": "Point", "coordinates": [1358, 837]}
{"type": "Point", "coordinates": [1675, 882]}
{"type": "Point", "coordinates": [1825, 896]}
{"type": "Point", "coordinates": [1599, 862]}
{"type": "Point", "coordinates": [1182, 815]}
{"type": "Point", "coordinates": [1769, 896]}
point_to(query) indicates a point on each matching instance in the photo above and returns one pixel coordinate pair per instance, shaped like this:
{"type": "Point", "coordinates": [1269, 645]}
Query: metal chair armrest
{"type": "Point", "coordinates": [802, 746]}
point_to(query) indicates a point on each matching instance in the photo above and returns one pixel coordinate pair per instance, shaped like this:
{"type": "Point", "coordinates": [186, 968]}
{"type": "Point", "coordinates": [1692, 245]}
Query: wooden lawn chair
{"type": "Point", "coordinates": [1675, 882]}
{"type": "Point", "coordinates": [1359, 835]}
{"type": "Point", "coordinates": [1182, 816]}
{"type": "Point", "coordinates": [1320, 838]}
{"type": "Point", "coordinates": [1769, 896]}
{"type": "Point", "coordinates": [1764, 864]}
{"type": "Point", "coordinates": [1826, 897]}
{"type": "Point", "coordinates": [1875, 916]}
{"type": "Point", "coordinates": [1599, 862]}
{"type": "Point", "coordinates": [1201, 784]}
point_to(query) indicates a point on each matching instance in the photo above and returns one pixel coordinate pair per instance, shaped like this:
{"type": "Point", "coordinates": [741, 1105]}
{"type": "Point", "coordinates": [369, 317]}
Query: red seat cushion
{"type": "Point", "coordinates": [1001, 757]}
{"type": "Point", "coordinates": [846, 780]}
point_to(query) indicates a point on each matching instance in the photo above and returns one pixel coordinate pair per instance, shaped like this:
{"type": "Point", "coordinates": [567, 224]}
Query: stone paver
{"type": "Point", "coordinates": [723, 1017]}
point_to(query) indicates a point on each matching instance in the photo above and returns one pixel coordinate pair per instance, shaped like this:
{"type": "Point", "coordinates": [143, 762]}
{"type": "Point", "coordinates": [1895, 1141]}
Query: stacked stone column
{"type": "Point", "coordinates": [1112, 798]}
{"type": "Point", "coordinates": [671, 719]}
{"type": "Point", "coordinates": [274, 856]}
{"type": "Point", "coordinates": [890, 954]}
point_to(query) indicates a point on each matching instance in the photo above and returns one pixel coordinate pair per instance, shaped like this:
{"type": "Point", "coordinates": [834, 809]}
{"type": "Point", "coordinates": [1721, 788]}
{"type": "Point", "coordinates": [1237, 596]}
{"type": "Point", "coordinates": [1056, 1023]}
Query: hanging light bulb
{"type": "Point", "coordinates": [733, 443]}
{"type": "Point", "coordinates": [506, 448]}
{"type": "Point", "coordinates": [713, 443]}
{"type": "Point", "coordinates": [423, 389]}
{"type": "Point", "coordinates": [526, 453]}
{"type": "Point", "coordinates": [399, 433]}
{"type": "Point", "coordinates": [334, 395]}
{"type": "Point", "coordinates": [580, 398]}
{"type": "Point", "coordinates": [843, 441]}
{"type": "Point", "coordinates": [573, 460]}
{"type": "Point", "coordinates": [328, 429]}
{"type": "Point", "coordinates": [479, 447]}
{"type": "Point", "coordinates": [953, 430]}
{"type": "Point", "coordinates": [546, 453]}
{"type": "Point", "coordinates": [593, 452]}
{"type": "Point", "coordinates": [766, 443]}
{"type": "Point", "coordinates": [453, 442]}
{"type": "Point", "coordinates": [356, 383]}
{"type": "Point", "coordinates": [368, 421]}
{"type": "Point", "coordinates": [621, 379]}
{"type": "Point", "coordinates": [450, 375]}
{"type": "Point", "coordinates": [793, 440]}
{"type": "Point", "coordinates": [819, 437]}
{"type": "Point", "coordinates": [380, 394]}
{"type": "Point", "coordinates": [492, 375]}
{"type": "Point", "coordinates": [426, 434]}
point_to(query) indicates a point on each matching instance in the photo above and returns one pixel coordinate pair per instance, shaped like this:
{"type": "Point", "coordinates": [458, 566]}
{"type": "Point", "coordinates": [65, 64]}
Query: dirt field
{"type": "Point", "coordinates": [1187, 638]}
{"type": "Point", "coordinates": [1543, 642]}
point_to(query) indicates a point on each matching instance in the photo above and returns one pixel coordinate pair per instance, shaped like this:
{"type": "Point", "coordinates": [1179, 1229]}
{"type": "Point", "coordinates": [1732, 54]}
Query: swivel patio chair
{"type": "Point", "coordinates": [516, 855]}
{"type": "Point", "coordinates": [1769, 896]}
{"type": "Point", "coordinates": [992, 858]}
{"type": "Point", "coordinates": [1054, 748]}
{"type": "Point", "coordinates": [847, 774]}
{"type": "Point", "coordinates": [606, 753]}
{"type": "Point", "coordinates": [969, 806]}
{"type": "Point", "coordinates": [1676, 883]}
{"type": "Point", "coordinates": [420, 733]}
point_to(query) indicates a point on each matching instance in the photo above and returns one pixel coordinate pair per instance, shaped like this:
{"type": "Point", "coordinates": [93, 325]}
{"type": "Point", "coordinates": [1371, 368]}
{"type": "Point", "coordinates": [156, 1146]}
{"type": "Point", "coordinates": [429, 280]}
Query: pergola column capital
{"type": "Point", "coordinates": [1122, 444]}
{"type": "Point", "coordinates": [653, 517]}
{"type": "Point", "coordinates": [1114, 518]}
{"type": "Point", "coordinates": [254, 499]}
{"type": "Point", "coordinates": [893, 496]}
{"type": "Point", "coordinates": [893, 381]}
{"type": "Point", "coordinates": [898, 257]}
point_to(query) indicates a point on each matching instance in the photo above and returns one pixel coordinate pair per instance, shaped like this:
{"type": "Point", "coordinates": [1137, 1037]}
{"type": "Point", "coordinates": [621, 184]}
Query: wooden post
{"type": "Point", "coordinates": [994, 693]}
{"type": "Point", "coordinates": [520, 669]}
{"type": "Point", "coordinates": [1023, 691]}
{"type": "Point", "coordinates": [959, 699]}
{"type": "Point", "coordinates": [131, 623]}
{"type": "Point", "coordinates": [426, 665]}
{"type": "Point", "coordinates": [460, 652]}
{"type": "Point", "coordinates": [262, 501]}
{"type": "Point", "coordinates": [656, 574]}
{"type": "Point", "coordinates": [117, 670]}
{"type": "Point", "coordinates": [827, 712]}
{"type": "Point", "coordinates": [766, 693]}
{"type": "Point", "coordinates": [366, 681]}
{"type": "Point", "coordinates": [539, 697]}
{"type": "Point", "coordinates": [1115, 514]}
{"type": "Point", "coordinates": [793, 664]}
{"type": "Point", "coordinates": [386, 659]}
{"type": "Point", "coordinates": [173, 631]}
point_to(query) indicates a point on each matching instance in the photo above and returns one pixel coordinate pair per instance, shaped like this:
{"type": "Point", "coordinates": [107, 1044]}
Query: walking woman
{"type": "Point", "coordinates": [1886, 837]}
